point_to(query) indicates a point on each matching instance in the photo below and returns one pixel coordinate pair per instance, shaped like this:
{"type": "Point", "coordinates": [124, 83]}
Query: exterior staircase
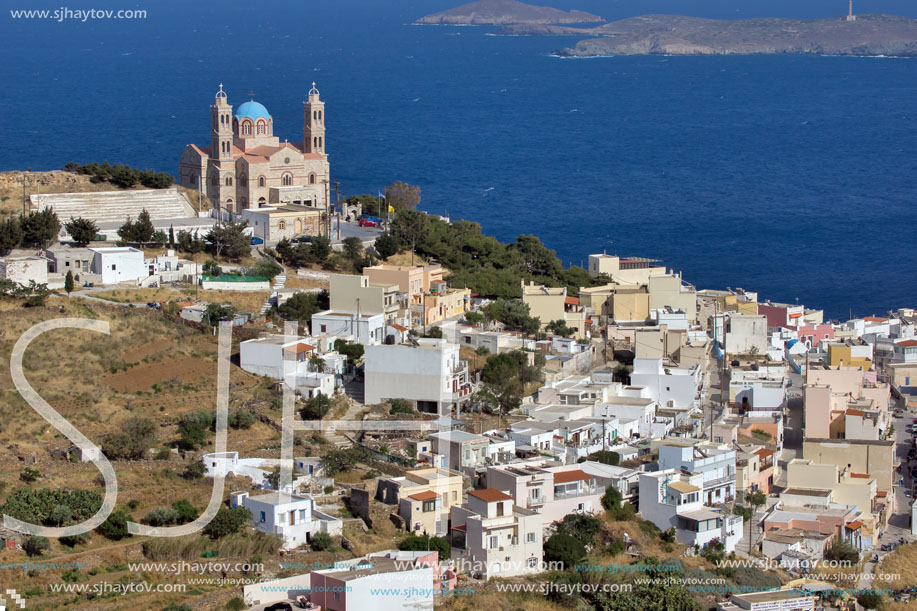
{"type": "Point", "coordinates": [280, 281]}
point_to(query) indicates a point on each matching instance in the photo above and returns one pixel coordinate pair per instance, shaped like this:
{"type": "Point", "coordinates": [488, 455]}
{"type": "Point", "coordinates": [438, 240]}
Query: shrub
{"type": "Point", "coordinates": [242, 419]}
{"type": "Point", "coordinates": [134, 437]}
{"type": "Point", "coordinates": [870, 600]}
{"type": "Point", "coordinates": [321, 541]}
{"type": "Point", "coordinates": [236, 604]}
{"type": "Point", "coordinates": [74, 540]}
{"type": "Point", "coordinates": [316, 408]}
{"type": "Point", "coordinates": [163, 454]}
{"type": "Point", "coordinates": [227, 521]}
{"type": "Point", "coordinates": [185, 511]}
{"type": "Point", "coordinates": [843, 552]}
{"type": "Point", "coordinates": [581, 527]}
{"type": "Point", "coordinates": [36, 546]}
{"type": "Point", "coordinates": [195, 470]}
{"type": "Point", "coordinates": [29, 475]}
{"type": "Point", "coordinates": [426, 542]}
{"type": "Point", "coordinates": [115, 527]}
{"type": "Point", "coordinates": [161, 516]}
{"type": "Point", "coordinates": [400, 406]}
{"type": "Point", "coordinates": [565, 549]}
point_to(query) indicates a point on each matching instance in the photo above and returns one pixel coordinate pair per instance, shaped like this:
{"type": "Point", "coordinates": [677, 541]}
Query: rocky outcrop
{"type": "Point", "coordinates": [868, 35]}
{"type": "Point", "coordinates": [502, 12]}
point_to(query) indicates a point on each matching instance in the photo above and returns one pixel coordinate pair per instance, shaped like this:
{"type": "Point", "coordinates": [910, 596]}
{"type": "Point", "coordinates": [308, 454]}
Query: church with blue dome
{"type": "Point", "coordinates": [246, 166]}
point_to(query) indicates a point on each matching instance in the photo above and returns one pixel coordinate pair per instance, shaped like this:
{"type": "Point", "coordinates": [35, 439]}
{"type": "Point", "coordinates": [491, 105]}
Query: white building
{"type": "Point", "coordinates": [366, 329]}
{"type": "Point", "coordinates": [668, 386]}
{"type": "Point", "coordinates": [788, 600]}
{"type": "Point", "coordinates": [429, 374]}
{"type": "Point", "coordinates": [289, 516]}
{"type": "Point", "coordinates": [492, 537]}
{"type": "Point", "coordinates": [549, 488]}
{"type": "Point", "coordinates": [716, 463]}
{"type": "Point", "coordinates": [275, 355]}
{"type": "Point", "coordinates": [634, 404]}
{"type": "Point", "coordinates": [671, 499]}
{"type": "Point", "coordinates": [388, 581]}
{"type": "Point", "coordinates": [119, 264]}
{"type": "Point", "coordinates": [24, 270]}
{"type": "Point", "coordinates": [745, 333]}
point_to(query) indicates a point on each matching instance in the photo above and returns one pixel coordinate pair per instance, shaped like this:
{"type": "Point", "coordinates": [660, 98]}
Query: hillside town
{"type": "Point", "coordinates": [502, 435]}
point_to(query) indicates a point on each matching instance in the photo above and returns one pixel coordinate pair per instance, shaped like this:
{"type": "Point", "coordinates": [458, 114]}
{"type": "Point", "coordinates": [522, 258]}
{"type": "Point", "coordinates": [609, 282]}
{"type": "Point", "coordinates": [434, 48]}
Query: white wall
{"type": "Point", "coordinates": [408, 372]}
{"type": "Point", "coordinates": [119, 264]}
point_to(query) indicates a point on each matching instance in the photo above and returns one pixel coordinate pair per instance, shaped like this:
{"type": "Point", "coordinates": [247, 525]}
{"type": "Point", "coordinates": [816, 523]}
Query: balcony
{"type": "Point", "coordinates": [719, 481]}
{"type": "Point", "coordinates": [536, 501]}
{"type": "Point", "coordinates": [589, 491]}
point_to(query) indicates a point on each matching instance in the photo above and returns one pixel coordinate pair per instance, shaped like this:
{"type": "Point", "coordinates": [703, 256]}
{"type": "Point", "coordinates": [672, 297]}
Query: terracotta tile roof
{"type": "Point", "coordinates": [398, 327]}
{"type": "Point", "coordinates": [855, 525]}
{"type": "Point", "coordinates": [910, 343]}
{"type": "Point", "coordinates": [855, 412]}
{"type": "Point", "coordinates": [571, 300]}
{"type": "Point", "coordinates": [875, 319]}
{"type": "Point", "coordinates": [299, 348]}
{"type": "Point", "coordinates": [576, 475]}
{"type": "Point", "coordinates": [427, 495]}
{"type": "Point", "coordinates": [461, 528]}
{"type": "Point", "coordinates": [860, 475]}
{"type": "Point", "coordinates": [489, 495]}
{"type": "Point", "coordinates": [764, 452]}
{"type": "Point", "coordinates": [882, 494]}
{"type": "Point", "coordinates": [184, 304]}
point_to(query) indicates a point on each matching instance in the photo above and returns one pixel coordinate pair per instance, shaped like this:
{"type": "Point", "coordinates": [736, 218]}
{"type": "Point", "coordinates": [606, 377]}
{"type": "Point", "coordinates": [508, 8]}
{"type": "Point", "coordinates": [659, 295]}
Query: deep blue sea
{"type": "Point", "coordinates": [793, 176]}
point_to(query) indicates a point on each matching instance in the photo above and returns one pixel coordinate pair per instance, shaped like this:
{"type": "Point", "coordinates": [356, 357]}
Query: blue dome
{"type": "Point", "coordinates": [252, 110]}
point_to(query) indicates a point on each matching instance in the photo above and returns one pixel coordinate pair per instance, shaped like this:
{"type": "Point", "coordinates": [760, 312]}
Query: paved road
{"type": "Point", "coordinates": [352, 229]}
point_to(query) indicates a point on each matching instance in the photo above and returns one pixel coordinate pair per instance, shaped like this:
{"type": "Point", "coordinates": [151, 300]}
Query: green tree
{"type": "Point", "coordinates": [387, 245]}
{"type": "Point", "coordinates": [320, 248]}
{"type": "Point", "coordinates": [68, 282]}
{"type": "Point", "coordinates": [115, 526]}
{"type": "Point", "coordinates": [435, 332]}
{"type": "Point", "coordinates": [410, 227]}
{"type": "Point", "coordinates": [184, 510]}
{"type": "Point", "coordinates": [171, 236]}
{"type": "Point", "coordinates": [266, 267]}
{"type": "Point", "coordinates": [353, 351]}
{"type": "Point", "coordinates": [214, 313]}
{"type": "Point", "coordinates": [194, 470]}
{"type": "Point", "coordinates": [870, 599]}
{"type": "Point", "coordinates": [39, 228]}
{"type": "Point", "coordinates": [513, 313]}
{"type": "Point", "coordinates": [10, 234]}
{"type": "Point", "coordinates": [316, 407]}
{"type": "Point", "coordinates": [580, 526]}
{"type": "Point", "coordinates": [401, 195]}
{"type": "Point", "coordinates": [353, 248]}
{"type": "Point", "coordinates": [60, 514]}
{"type": "Point", "coordinates": [35, 545]}
{"type": "Point", "coordinates": [302, 306]}
{"type": "Point", "coordinates": [420, 543]}
{"type": "Point", "coordinates": [474, 318]}
{"type": "Point", "coordinates": [82, 231]}
{"type": "Point", "coordinates": [229, 240]}
{"type": "Point", "coordinates": [227, 522]}
{"type": "Point", "coordinates": [565, 549]}
{"type": "Point", "coordinates": [559, 327]}
{"type": "Point", "coordinates": [661, 595]}
{"type": "Point", "coordinates": [131, 440]}
{"type": "Point", "coordinates": [317, 364]}
{"type": "Point", "coordinates": [236, 604]}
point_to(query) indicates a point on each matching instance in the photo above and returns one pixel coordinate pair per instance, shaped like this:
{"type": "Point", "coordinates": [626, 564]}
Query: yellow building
{"type": "Point", "coordinates": [441, 303]}
{"type": "Point", "coordinates": [848, 355]}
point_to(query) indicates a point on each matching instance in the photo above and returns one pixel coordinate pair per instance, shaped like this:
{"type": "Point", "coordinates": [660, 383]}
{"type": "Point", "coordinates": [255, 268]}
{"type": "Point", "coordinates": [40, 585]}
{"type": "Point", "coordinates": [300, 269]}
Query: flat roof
{"type": "Point", "coordinates": [683, 486]}
{"type": "Point", "coordinates": [807, 492]}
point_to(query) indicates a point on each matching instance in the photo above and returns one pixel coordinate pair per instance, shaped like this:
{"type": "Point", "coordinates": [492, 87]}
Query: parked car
{"type": "Point", "coordinates": [368, 223]}
{"type": "Point", "coordinates": [279, 607]}
{"type": "Point", "coordinates": [256, 241]}
{"type": "Point", "coordinates": [302, 239]}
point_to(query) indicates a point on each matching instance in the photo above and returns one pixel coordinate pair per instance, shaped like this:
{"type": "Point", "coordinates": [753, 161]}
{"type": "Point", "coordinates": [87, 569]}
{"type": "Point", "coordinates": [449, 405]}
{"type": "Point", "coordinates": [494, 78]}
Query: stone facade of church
{"type": "Point", "coordinates": [246, 166]}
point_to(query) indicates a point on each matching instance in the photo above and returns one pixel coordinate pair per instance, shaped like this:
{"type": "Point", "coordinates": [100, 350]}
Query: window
{"type": "Point", "coordinates": [246, 128]}
{"type": "Point", "coordinates": [532, 562]}
{"type": "Point", "coordinates": [493, 542]}
{"type": "Point", "coordinates": [282, 225]}
{"type": "Point", "coordinates": [229, 181]}
{"type": "Point", "coordinates": [114, 267]}
{"type": "Point", "coordinates": [261, 181]}
{"type": "Point", "coordinates": [263, 517]}
{"type": "Point", "coordinates": [287, 180]}
{"type": "Point", "coordinates": [324, 328]}
{"type": "Point", "coordinates": [530, 537]}
{"type": "Point", "coordinates": [500, 509]}
{"type": "Point", "coordinates": [311, 179]}
{"type": "Point", "coordinates": [319, 142]}
{"type": "Point", "coordinates": [454, 496]}
{"type": "Point", "coordinates": [260, 128]}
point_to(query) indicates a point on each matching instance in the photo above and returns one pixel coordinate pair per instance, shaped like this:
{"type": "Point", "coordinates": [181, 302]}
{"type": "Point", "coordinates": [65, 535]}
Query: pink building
{"type": "Point", "coordinates": [812, 335]}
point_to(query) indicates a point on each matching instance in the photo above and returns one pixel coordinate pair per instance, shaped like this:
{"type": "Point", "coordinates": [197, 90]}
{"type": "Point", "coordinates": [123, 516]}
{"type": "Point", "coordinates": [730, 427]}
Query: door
{"type": "Point", "coordinates": [297, 225]}
{"type": "Point", "coordinates": [292, 517]}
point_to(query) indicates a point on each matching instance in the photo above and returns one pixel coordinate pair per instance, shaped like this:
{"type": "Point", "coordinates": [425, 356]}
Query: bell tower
{"type": "Point", "coordinates": [313, 129]}
{"type": "Point", "coordinates": [221, 127]}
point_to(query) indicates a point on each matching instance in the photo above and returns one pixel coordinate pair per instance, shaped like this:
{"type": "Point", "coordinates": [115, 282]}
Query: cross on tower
{"type": "Point", "coordinates": [251, 94]}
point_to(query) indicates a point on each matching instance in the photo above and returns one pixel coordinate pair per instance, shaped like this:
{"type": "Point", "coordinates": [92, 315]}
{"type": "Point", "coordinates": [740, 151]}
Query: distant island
{"type": "Point", "coordinates": [503, 12]}
{"type": "Point", "coordinates": [866, 35]}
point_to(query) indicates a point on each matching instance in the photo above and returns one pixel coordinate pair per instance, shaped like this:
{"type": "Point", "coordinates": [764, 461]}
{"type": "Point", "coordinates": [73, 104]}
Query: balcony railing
{"type": "Point", "coordinates": [578, 493]}
{"type": "Point", "coordinates": [536, 501]}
